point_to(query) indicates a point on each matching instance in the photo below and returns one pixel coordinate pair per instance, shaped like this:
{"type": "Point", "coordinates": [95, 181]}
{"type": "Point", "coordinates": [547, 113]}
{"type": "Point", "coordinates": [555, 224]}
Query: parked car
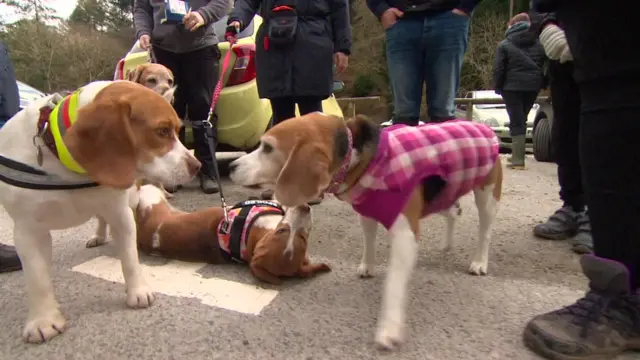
{"type": "Point", "coordinates": [542, 132]}
{"type": "Point", "coordinates": [242, 116]}
{"type": "Point", "coordinates": [28, 94]}
{"type": "Point", "coordinates": [496, 117]}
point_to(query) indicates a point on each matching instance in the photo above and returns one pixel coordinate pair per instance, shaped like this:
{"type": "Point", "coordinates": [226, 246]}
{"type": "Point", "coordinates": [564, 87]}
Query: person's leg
{"type": "Point", "coordinates": [405, 63]}
{"type": "Point", "coordinates": [172, 62]}
{"type": "Point", "coordinates": [514, 102]}
{"type": "Point", "coordinates": [607, 320]}
{"type": "Point", "coordinates": [571, 219]}
{"type": "Point", "coordinates": [447, 35]}
{"type": "Point", "coordinates": [283, 108]}
{"type": "Point", "coordinates": [309, 104]}
{"type": "Point", "coordinates": [9, 260]}
{"type": "Point", "coordinates": [201, 74]}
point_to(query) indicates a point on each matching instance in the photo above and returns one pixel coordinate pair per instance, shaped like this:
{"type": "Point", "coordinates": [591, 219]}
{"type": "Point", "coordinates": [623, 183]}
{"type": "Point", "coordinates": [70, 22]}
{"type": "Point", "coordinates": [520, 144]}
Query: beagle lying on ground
{"type": "Point", "coordinates": [258, 233]}
{"type": "Point", "coordinates": [394, 176]}
{"type": "Point", "coordinates": [111, 132]}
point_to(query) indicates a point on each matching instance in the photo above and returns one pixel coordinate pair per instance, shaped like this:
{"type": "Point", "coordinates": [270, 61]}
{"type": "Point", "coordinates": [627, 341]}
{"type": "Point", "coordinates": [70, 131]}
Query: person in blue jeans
{"type": "Point", "coordinates": [426, 41]}
{"type": "Point", "coordinates": [9, 106]}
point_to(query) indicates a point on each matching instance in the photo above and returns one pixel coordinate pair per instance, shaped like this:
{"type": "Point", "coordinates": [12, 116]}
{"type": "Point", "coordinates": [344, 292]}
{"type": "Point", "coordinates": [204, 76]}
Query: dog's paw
{"type": "Point", "coordinates": [96, 241]}
{"type": "Point", "coordinates": [365, 270]}
{"type": "Point", "coordinates": [323, 268]}
{"type": "Point", "coordinates": [390, 334]}
{"type": "Point", "coordinates": [41, 328]}
{"type": "Point", "coordinates": [140, 297]}
{"type": "Point", "coordinates": [478, 268]}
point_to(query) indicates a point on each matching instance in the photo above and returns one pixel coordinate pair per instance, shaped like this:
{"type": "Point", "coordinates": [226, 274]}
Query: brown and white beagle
{"type": "Point", "coordinates": [304, 157]}
{"type": "Point", "coordinates": [257, 234]}
{"type": "Point", "coordinates": [110, 132]}
{"type": "Point", "coordinates": [155, 77]}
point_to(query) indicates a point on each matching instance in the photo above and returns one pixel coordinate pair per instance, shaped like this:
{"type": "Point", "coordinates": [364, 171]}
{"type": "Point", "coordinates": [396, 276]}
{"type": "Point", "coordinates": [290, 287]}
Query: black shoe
{"type": "Point", "coordinates": [583, 242]}
{"type": "Point", "coordinates": [601, 325]}
{"type": "Point", "coordinates": [207, 185]}
{"type": "Point", "coordinates": [172, 189]}
{"type": "Point", "coordinates": [9, 260]}
{"type": "Point", "coordinates": [563, 224]}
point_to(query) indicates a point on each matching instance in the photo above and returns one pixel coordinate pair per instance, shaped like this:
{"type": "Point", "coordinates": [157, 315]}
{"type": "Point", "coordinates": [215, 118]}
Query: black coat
{"type": "Point", "coordinates": [306, 67]}
{"type": "Point", "coordinates": [519, 61]}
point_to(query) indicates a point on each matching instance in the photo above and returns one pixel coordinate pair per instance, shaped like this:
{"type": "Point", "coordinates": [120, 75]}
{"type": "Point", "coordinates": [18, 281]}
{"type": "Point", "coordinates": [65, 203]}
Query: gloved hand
{"type": "Point", "coordinates": [555, 44]}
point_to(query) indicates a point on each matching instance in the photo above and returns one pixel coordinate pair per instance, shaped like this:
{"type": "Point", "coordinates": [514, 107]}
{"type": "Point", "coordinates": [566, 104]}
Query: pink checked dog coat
{"type": "Point", "coordinates": [460, 152]}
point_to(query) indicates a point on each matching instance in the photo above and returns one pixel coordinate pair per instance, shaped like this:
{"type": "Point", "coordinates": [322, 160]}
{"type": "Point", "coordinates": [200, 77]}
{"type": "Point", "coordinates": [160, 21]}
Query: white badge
{"type": "Point", "coordinates": [178, 7]}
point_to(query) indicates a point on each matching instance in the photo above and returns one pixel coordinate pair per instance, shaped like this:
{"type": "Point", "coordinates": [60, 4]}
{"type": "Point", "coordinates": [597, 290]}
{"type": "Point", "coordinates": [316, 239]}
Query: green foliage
{"type": "Point", "coordinates": [363, 85]}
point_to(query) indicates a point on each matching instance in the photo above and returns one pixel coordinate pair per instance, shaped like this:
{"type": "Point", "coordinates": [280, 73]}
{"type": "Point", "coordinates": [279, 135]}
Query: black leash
{"type": "Point", "coordinates": [27, 177]}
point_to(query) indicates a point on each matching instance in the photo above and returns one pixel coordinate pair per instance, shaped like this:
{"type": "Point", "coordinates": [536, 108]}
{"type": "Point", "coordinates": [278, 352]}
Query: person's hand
{"type": "Point", "coordinates": [145, 42]}
{"type": "Point", "coordinates": [235, 24]}
{"type": "Point", "coordinates": [554, 42]}
{"type": "Point", "coordinates": [341, 60]}
{"type": "Point", "coordinates": [389, 17]}
{"type": "Point", "coordinates": [459, 12]}
{"type": "Point", "coordinates": [193, 20]}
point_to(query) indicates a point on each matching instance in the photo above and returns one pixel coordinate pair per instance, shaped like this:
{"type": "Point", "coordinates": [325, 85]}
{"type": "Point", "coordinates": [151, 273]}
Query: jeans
{"type": "Point", "coordinates": [284, 108]}
{"type": "Point", "coordinates": [564, 133]}
{"type": "Point", "coordinates": [429, 50]}
{"type": "Point", "coordinates": [518, 104]}
{"type": "Point", "coordinates": [196, 74]}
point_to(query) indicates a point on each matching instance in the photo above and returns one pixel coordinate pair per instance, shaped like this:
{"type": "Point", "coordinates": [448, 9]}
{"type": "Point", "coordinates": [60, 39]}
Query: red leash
{"type": "Point", "coordinates": [209, 126]}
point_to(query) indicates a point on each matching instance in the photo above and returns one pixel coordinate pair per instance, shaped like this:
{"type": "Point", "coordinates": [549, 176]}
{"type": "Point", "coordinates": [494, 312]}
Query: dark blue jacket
{"type": "Point", "coordinates": [9, 96]}
{"type": "Point", "coordinates": [380, 6]}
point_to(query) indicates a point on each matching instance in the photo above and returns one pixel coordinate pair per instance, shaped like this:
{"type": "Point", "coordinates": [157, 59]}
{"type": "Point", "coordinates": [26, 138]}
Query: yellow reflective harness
{"type": "Point", "coordinates": [62, 117]}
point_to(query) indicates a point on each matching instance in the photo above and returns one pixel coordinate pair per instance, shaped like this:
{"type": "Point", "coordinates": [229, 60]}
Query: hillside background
{"type": "Point", "coordinates": [54, 54]}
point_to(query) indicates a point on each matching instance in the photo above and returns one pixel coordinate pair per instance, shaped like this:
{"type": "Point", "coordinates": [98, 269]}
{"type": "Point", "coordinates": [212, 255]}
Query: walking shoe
{"type": "Point", "coordinates": [583, 242]}
{"type": "Point", "coordinates": [563, 224]}
{"type": "Point", "coordinates": [9, 260]}
{"type": "Point", "coordinates": [172, 189]}
{"type": "Point", "coordinates": [601, 325]}
{"type": "Point", "coordinates": [207, 184]}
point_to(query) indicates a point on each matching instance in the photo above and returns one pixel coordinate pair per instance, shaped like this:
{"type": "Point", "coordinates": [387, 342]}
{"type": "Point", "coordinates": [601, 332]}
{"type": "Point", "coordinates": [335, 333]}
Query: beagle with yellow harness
{"type": "Point", "coordinates": [109, 133]}
{"type": "Point", "coordinates": [394, 176]}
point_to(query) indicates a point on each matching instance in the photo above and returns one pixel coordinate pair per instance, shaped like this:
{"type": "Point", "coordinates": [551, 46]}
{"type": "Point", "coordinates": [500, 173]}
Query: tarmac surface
{"type": "Point", "coordinates": [198, 315]}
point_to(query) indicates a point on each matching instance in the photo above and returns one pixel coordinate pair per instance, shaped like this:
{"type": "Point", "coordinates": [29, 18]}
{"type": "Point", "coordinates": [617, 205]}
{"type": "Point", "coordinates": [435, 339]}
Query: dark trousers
{"type": "Point", "coordinates": [564, 133]}
{"type": "Point", "coordinates": [196, 74]}
{"type": "Point", "coordinates": [609, 156]}
{"type": "Point", "coordinates": [518, 104]}
{"type": "Point", "coordinates": [285, 107]}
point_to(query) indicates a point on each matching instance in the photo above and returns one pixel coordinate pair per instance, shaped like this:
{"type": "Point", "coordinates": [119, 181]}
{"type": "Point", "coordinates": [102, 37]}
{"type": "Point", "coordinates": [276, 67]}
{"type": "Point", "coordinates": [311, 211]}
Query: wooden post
{"type": "Point", "coordinates": [511, 5]}
{"type": "Point", "coordinates": [469, 112]}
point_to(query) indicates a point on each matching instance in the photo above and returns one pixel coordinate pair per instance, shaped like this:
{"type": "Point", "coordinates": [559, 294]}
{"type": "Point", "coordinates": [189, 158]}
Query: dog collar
{"type": "Point", "coordinates": [53, 124]}
{"type": "Point", "coordinates": [338, 178]}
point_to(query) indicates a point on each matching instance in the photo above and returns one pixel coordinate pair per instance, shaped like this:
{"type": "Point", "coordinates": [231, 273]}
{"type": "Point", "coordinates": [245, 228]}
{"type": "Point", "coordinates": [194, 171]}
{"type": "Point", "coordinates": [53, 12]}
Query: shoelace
{"type": "Point", "coordinates": [623, 311]}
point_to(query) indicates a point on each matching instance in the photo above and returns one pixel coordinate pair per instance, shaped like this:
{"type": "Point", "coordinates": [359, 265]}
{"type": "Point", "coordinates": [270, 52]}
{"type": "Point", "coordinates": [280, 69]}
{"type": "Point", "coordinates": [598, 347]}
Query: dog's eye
{"type": "Point", "coordinates": [281, 231]}
{"type": "Point", "coordinates": [170, 82]}
{"type": "Point", "coordinates": [152, 81]}
{"type": "Point", "coordinates": [266, 148]}
{"type": "Point", "coordinates": [164, 132]}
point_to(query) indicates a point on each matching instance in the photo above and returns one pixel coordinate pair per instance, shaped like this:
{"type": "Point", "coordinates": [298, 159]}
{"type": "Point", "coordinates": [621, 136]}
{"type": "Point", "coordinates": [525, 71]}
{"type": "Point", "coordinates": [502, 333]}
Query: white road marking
{"type": "Point", "coordinates": [177, 278]}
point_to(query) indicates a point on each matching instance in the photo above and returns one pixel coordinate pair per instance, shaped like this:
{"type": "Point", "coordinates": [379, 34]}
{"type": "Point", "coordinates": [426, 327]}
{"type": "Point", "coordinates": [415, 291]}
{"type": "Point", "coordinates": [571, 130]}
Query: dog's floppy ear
{"type": "Point", "coordinates": [304, 175]}
{"type": "Point", "coordinates": [365, 132]}
{"type": "Point", "coordinates": [103, 143]}
{"type": "Point", "coordinates": [135, 74]}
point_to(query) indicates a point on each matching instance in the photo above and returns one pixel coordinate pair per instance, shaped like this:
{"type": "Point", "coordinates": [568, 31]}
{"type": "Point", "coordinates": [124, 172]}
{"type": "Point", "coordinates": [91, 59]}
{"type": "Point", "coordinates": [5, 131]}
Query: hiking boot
{"type": "Point", "coordinates": [583, 242]}
{"type": "Point", "coordinates": [208, 185]}
{"type": "Point", "coordinates": [9, 260]}
{"type": "Point", "coordinates": [518, 149]}
{"type": "Point", "coordinates": [601, 325]}
{"type": "Point", "coordinates": [562, 225]}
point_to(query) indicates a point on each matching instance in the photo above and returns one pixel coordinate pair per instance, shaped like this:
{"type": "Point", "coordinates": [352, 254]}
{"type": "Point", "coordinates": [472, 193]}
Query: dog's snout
{"type": "Point", "coordinates": [305, 209]}
{"type": "Point", "coordinates": [193, 165]}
